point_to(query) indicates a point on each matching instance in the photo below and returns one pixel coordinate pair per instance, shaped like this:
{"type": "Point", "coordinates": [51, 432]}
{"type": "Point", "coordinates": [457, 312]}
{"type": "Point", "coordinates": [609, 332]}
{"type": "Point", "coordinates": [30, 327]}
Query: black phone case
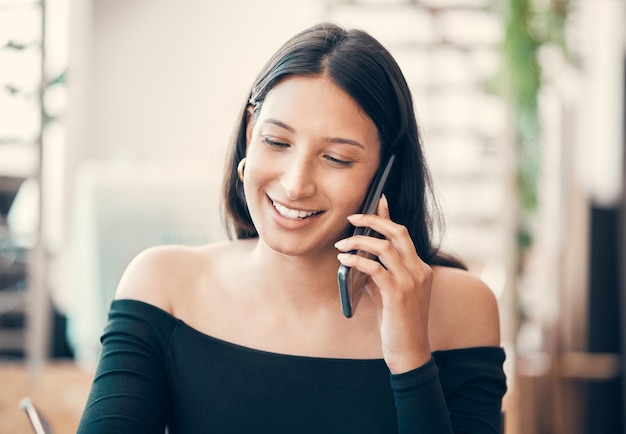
{"type": "Point", "coordinates": [352, 282]}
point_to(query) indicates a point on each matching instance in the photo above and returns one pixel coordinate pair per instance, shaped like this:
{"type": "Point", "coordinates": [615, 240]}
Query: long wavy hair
{"type": "Point", "coordinates": [366, 71]}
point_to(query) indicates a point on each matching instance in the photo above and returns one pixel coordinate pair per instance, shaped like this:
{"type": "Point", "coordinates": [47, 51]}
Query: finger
{"type": "Point", "coordinates": [372, 245]}
{"type": "Point", "coordinates": [386, 281]}
{"type": "Point", "coordinates": [383, 208]}
{"type": "Point", "coordinates": [397, 234]}
{"type": "Point", "coordinates": [376, 250]}
{"type": "Point", "coordinates": [372, 268]}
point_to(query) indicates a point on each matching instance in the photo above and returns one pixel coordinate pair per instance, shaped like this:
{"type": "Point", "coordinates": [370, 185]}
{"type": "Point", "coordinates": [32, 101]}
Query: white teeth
{"type": "Point", "coordinates": [292, 213]}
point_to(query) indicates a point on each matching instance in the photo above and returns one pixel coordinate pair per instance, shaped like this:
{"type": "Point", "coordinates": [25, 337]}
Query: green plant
{"type": "Point", "coordinates": [529, 25]}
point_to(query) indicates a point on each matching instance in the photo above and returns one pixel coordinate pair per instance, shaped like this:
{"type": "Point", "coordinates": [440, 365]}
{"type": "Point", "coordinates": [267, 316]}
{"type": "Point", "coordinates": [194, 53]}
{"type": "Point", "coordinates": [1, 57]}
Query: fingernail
{"type": "Point", "coordinates": [342, 256]}
{"type": "Point", "coordinates": [354, 217]}
{"type": "Point", "coordinates": [341, 243]}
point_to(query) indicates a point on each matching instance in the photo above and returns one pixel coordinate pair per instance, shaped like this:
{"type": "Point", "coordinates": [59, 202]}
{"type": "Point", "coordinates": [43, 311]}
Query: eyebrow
{"type": "Point", "coordinates": [346, 141]}
{"type": "Point", "coordinates": [327, 139]}
{"type": "Point", "coordinates": [280, 124]}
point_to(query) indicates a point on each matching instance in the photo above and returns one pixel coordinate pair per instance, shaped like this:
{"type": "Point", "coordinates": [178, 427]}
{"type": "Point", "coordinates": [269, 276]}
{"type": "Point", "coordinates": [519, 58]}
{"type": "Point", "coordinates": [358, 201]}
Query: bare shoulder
{"type": "Point", "coordinates": [463, 311]}
{"type": "Point", "coordinates": [158, 273]}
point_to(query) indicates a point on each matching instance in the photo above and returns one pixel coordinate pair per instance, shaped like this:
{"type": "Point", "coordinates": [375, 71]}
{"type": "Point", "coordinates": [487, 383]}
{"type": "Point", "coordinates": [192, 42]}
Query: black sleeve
{"type": "Point", "coordinates": [130, 389]}
{"type": "Point", "coordinates": [457, 391]}
{"type": "Point", "coordinates": [420, 403]}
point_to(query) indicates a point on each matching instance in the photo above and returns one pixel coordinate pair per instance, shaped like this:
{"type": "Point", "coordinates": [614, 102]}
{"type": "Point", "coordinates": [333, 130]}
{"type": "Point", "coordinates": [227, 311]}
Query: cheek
{"type": "Point", "coordinates": [350, 194]}
{"type": "Point", "coordinates": [258, 153]}
{"type": "Point", "coordinates": [259, 169]}
{"type": "Point", "coordinates": [359, 188]}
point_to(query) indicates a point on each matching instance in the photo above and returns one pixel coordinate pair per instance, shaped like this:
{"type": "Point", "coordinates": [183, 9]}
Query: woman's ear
{"type": "Point", "coordinates": [249, 123]}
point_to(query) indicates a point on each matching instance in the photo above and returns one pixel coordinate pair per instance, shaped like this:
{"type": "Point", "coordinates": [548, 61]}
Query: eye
{"type": "Point", "coordinates": [337, 161]}
{"type": "Point", "coordinates": [273, 143]}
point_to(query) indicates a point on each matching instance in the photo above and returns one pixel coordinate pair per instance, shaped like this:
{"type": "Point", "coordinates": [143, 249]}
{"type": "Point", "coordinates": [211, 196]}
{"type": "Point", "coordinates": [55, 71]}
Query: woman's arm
{"type": "Point", "coordinates": [419, 309]}
{"type": "Point", "coordinates": [420, 402]}
{"type": "Point", "coordinates": [130, 388]}
{"type": "Point", "coordinates": [458, 391]}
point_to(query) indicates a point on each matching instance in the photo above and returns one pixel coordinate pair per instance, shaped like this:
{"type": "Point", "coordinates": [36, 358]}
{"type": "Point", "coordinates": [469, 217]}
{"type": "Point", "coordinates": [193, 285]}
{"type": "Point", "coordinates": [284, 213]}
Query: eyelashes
{"type": "Point", "coordinates": [281, 146]}
{"type": "Point", "coordinates": [274, 143]}
{"type": "Point", "coordinates": [337, 161]}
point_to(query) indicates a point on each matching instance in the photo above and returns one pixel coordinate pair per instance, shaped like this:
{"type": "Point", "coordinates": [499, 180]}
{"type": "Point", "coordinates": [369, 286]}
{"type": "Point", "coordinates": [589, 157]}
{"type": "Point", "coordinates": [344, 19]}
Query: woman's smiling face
{"type": "Point", "coordinates": [312, 152]}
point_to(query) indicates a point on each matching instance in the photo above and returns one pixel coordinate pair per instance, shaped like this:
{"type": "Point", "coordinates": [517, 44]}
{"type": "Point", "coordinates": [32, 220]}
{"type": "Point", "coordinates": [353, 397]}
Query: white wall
{"type": "Point", "coordinates": [168, 77]}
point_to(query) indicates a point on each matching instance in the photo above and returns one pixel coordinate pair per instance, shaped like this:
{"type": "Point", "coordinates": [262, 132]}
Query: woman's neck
{"type": "Point", "coordinates": [301, 281]}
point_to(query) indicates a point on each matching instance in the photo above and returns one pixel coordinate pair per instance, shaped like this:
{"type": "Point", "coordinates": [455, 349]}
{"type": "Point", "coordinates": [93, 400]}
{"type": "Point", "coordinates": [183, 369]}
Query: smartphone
{"type": "Point", "coordinates": [352, 281]}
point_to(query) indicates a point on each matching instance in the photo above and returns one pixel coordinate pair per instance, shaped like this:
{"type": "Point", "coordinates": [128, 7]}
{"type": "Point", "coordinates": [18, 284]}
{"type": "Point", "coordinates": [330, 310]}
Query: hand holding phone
{"type": "Point", "coordinates": [352, 281]}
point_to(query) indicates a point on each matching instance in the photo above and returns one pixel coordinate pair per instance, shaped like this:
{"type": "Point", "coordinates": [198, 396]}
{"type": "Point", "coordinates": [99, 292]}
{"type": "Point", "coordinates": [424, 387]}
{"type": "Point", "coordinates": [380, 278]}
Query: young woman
{"type": "Point", "coordinates": [248, 336]}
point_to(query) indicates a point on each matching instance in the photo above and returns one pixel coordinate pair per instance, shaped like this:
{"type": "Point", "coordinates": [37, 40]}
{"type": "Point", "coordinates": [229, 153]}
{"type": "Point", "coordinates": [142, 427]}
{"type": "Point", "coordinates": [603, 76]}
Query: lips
{"type": "Point", "coordinates": [293, 213]}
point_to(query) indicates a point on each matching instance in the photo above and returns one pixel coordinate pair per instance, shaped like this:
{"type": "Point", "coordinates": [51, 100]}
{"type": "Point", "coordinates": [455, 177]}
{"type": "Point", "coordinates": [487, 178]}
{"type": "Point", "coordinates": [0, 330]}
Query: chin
{"type": "Point", "coordinates": [297, 247]}
{"type": "Point", "coordinates": [290, 249]}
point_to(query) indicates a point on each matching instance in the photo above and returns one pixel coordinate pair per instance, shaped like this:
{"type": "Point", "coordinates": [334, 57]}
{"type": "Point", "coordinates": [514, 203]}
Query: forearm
{"type": "Point", "coordinates": [457, 391]}
{"type": "Point", "coordinates": [123, 399]}
{"type": "Point", "coordinates": [420, 401]}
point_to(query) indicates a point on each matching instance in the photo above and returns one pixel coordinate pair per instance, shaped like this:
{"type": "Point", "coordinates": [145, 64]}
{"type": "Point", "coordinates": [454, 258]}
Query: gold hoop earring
{"type": "Point", "coordinates": [240, 168]}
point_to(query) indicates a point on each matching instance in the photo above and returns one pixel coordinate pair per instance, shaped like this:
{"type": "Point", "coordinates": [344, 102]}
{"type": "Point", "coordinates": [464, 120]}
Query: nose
{"type": "Point", "coordinates": [298, 178]}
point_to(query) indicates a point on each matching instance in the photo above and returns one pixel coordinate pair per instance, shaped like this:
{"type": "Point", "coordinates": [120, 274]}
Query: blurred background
{"type": "Point", "coordinates": [115, 117]}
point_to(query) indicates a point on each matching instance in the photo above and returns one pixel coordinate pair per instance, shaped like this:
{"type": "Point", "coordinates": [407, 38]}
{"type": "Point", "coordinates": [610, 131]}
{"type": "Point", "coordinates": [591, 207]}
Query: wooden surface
{"type": "Point", "coordinates": [60, 393]}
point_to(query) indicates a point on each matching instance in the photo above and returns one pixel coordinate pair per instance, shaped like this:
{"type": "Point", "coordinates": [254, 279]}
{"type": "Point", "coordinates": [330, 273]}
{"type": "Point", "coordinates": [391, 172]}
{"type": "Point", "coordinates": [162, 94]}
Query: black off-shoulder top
{"type": "Point", "coordinates": [156, 372]}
